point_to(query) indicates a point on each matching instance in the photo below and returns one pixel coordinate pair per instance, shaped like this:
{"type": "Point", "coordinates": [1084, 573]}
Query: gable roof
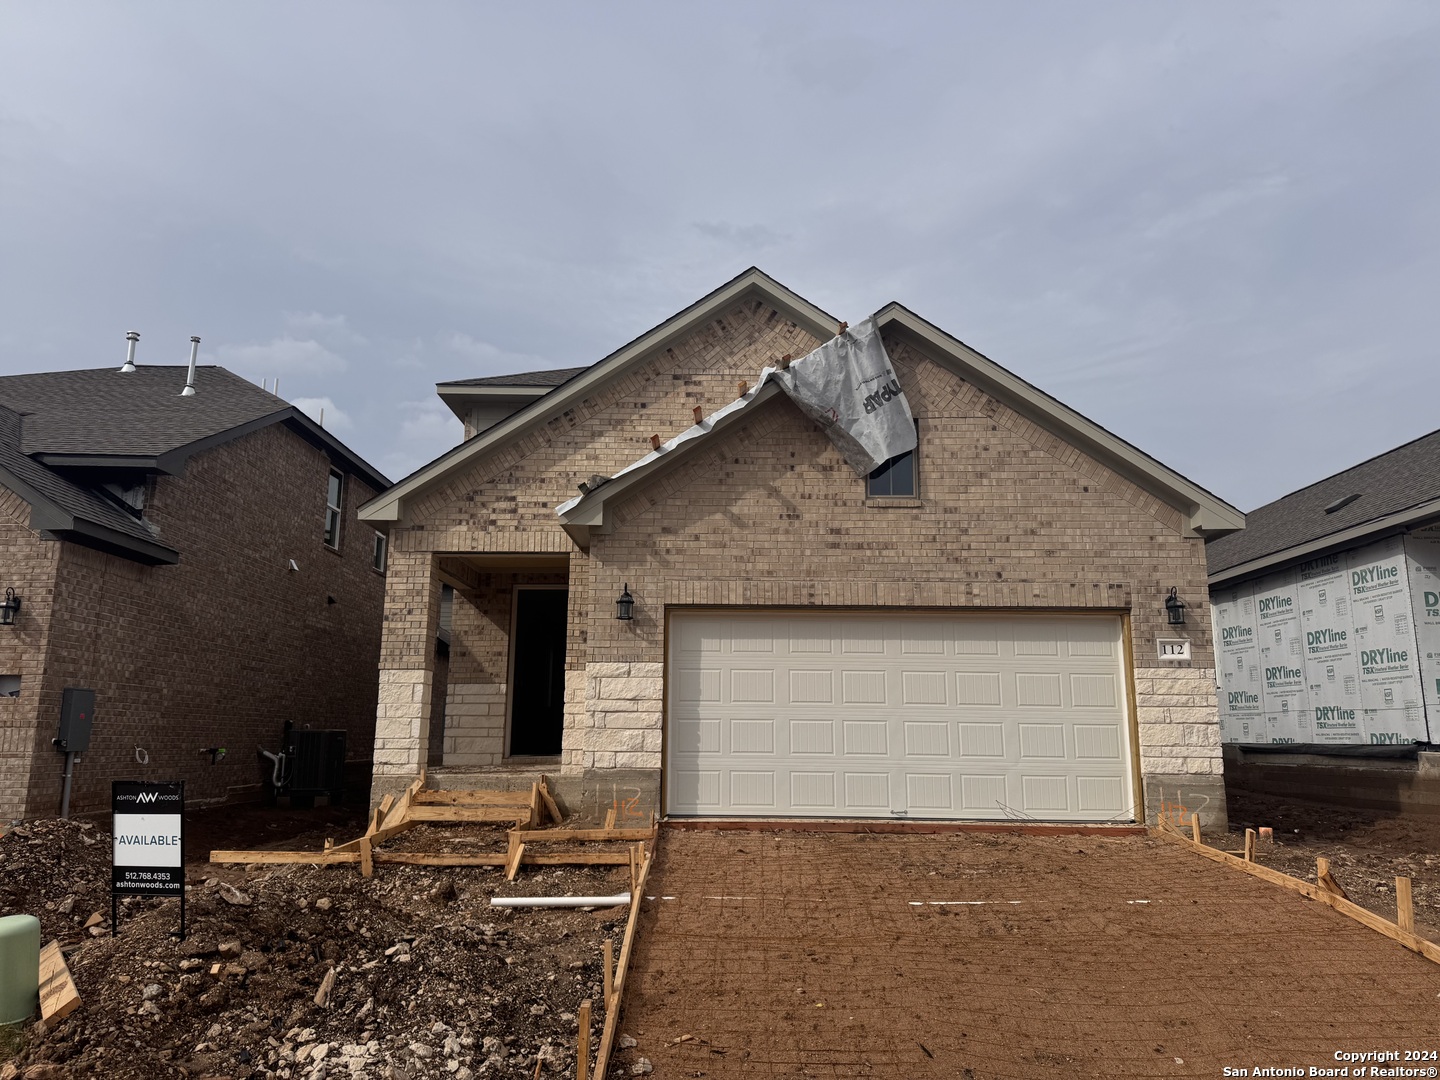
{"type": "Point", "coordinates": [389, 506]}
{"type": "Point", "coordinates": [59, 505]}
{"type": "Point", "coordinates": [1205, 513]}
{"type": "Point", "coordinates": [54, 423]}
{"type": "Point", "coordinates": [1396, 489]}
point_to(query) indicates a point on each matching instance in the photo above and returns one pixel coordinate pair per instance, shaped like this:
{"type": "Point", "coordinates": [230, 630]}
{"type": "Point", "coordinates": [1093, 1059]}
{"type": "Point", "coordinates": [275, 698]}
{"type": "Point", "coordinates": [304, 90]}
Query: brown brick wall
{"type": "Point", "coordinates": [27, 565]}
{"type": "Point", "coordinates": [221, 649]}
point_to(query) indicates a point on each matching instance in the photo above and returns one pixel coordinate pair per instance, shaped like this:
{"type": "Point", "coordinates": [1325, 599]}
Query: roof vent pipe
{"type": "Point", "coordinates": [132, 337]}
{"type": "Point", "coordinates": [189, 390]}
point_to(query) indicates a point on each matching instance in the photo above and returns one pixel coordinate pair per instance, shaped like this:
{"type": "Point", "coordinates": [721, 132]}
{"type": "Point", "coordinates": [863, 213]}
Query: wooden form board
{"type": "Point", "coordinates": [612, 1006]}
{"type": "Point", "coordinates": [1411, 941]}
{"type": "Point", "coordinates": [58, 996]}
{"type": "Point", "coordinates": [423, 858]}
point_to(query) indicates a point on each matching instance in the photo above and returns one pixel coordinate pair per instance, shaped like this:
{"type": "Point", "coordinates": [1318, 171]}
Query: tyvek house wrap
{"type": "Point", "coordinates": [848, 386]}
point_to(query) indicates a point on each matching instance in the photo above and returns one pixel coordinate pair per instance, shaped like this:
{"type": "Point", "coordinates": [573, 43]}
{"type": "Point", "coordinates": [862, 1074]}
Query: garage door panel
{"type": "Point", "coordinates": [880, 716]}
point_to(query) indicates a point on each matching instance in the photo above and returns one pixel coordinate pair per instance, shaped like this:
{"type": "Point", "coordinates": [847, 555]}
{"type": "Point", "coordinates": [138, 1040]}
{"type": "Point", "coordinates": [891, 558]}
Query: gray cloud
{"type": "Point", "coordinates": [1211, 228]}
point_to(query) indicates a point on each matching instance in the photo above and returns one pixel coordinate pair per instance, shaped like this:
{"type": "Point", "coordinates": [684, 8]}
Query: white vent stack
{"type": "Point", "coordinates": [132, 337]}
{"type": "Point", "coordinates": [189, 390]}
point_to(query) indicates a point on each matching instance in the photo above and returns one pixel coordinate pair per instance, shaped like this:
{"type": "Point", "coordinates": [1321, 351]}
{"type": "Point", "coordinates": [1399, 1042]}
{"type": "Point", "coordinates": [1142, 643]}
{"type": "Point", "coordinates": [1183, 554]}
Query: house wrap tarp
{"type": "Point", "coordinates": [849, 387]}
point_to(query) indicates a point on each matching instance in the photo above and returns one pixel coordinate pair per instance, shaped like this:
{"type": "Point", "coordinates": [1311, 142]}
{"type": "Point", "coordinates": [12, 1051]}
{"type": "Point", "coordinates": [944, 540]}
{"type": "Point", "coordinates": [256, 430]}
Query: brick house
{"type": "Point", "coordinates": [149, 537]}
{"type": "Point", "coordinates": [973, 632]}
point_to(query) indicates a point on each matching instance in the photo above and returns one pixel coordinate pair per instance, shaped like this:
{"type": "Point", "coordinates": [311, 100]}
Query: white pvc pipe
{"type": "Point", "coordinates": [560, 901]}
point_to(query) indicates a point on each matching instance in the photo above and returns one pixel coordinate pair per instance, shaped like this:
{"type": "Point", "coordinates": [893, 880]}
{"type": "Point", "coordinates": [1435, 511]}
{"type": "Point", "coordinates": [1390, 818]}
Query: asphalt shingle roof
{"type": "Point", "coordinates": [102, 411]}
{"type": "Point", "coordinates": [1394, 481]}
{"type": "Point", "coordinates": [553, 377]}
{"type": "Point", "coordinates": [70, 497]}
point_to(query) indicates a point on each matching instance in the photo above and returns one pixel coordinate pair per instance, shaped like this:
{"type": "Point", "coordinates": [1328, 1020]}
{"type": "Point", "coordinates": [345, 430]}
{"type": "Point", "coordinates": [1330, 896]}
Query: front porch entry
{"type": "Point", "coordinates": [537, 671]}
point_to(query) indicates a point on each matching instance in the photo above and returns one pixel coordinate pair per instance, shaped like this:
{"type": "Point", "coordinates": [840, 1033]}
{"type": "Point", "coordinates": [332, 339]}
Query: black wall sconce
{"type": "Point", "coordinates": [9, 608]}
{"type": "Point", "coordinates": [1174, 609]}
{"type": "Point", "coordinates": [625, 605]}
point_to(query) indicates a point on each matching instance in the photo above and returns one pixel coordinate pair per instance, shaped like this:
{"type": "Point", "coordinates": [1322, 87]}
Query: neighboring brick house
{"type": "Point", "coordinates": [149, 537]}
{"type": "Point", "coordinates": [971, 633]}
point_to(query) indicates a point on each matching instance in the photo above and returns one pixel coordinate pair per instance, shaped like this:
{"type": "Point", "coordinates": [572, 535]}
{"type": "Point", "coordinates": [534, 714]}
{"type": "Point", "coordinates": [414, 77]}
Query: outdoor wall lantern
{"type": "Point", "coordinates": [625, 605]}
{"type": "Point", "coordinates": [10, 608]}
{"type": "Point", "coordinates": [1175, 608]}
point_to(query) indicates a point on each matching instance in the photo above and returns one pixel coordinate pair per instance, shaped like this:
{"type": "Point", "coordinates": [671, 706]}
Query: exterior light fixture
{"type": "Point", "coordinates": [625, 605]}
{"type": "Point", "coordinates": [1174, 609]}
{"type": "Point", "coordinates": [9, 608]}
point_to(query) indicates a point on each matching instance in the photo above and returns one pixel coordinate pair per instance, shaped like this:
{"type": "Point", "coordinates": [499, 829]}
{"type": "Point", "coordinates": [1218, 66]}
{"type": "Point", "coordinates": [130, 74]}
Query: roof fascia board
{"type": "Point", "coordinates": [451, 390]}
{"type": "Point", "coordinates": [94, 535]}
{"type": "Point", "coordinates": [1390, 523]}
{"type": "Point", "coordinates": [1205, 514]}
{"type": "Point", "coordinates": [146, 463]}
{"type": "Point", "coordinates": [389, 506]}
{"type": "Point", "coordinates": [174, 461]}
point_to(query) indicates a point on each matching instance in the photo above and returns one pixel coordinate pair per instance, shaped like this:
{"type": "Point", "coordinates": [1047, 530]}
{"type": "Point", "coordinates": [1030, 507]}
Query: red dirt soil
{"type": "Point", "coordinates": [791, 954]}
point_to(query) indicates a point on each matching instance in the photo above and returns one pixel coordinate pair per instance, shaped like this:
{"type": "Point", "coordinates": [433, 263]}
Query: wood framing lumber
{"type": "Point", "coordinates": [1404, 906]}
{"type": "Point", "coordinates": [422, 858]}
{"type": "Point", "coordinates": [582, 1048]}
{"type": "Point", "coordinates": [379, 836]}
{"type": "Point", "coordinates": [317, 858]}
{"type": "Point", "coordinates": [512, 864]}
{"type": "Point", "coordinates": [1326, 880]}
{"type": "Point", "coordinates": [1411, 941]}
{"type": "Point", "coordinates": [550, 804]}
{"type": "Point", "coordinates": [608, 949]}
{"type": "Point", "coordinates": [560, 836]}
{"type": "Point", "coordinates": [58, 996]}
{"type": "Point", "coordinates": [517, 799]}
{"type": "Point", "coordinates": [456, 814]}
{"type": "Point", "coordinates": [612, 1007]}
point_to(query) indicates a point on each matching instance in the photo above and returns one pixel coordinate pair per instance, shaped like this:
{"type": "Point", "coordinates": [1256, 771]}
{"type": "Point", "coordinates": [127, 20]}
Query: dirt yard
{"type": "Point", "coordinates": [977, 956]}
{"type": "Point", "coordinates": [429, 980]}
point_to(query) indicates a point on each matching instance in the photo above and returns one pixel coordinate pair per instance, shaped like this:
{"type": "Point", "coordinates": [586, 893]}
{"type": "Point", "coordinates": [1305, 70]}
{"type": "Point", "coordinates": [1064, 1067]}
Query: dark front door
{"type": "Point", "coordinates": [537, 687]}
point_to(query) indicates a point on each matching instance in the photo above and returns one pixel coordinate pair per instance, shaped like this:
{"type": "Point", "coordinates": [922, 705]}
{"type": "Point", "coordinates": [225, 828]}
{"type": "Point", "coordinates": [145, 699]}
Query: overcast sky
{"type": "Point", "coordinates": [1210, 227]}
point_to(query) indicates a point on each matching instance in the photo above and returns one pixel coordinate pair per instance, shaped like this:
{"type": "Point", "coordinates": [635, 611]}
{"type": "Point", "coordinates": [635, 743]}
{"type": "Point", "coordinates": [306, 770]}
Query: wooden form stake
{"type": "Point", "coordinates": [582, 1050]}
{"type": "Point", "coordinates": [58, 996]}
{"type": "Point", "coordinates": [612, 1013]}
{"type": "Point", "coordinates": [610, 818]}
{"type": "Point", "coordinates": [1404, 908]}
{"type": "Point", "coordinates": [512, 861]}
{"type": "Point", "coordinates": [1249, 845]}
{"type": "Point", "coordinates": [367, 865]}
{"type": "Point", "coordinates": [1326, 880]}
{"type": "Point", "coordinates": [608, 1003]}
{"type": "Point", "coordinates": [1428, 949]}
{"type": "Point", "coordinates": [1195, 826]}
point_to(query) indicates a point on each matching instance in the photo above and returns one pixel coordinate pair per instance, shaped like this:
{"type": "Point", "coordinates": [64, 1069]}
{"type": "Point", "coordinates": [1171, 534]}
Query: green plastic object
{"type": "Point", "coordinates": [19, 967]}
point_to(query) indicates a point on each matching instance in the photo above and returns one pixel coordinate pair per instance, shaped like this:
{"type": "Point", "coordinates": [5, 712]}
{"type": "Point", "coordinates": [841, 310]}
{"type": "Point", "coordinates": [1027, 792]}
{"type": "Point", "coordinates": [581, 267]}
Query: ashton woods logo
{"type": "Point", "coordinates": [144, 797]}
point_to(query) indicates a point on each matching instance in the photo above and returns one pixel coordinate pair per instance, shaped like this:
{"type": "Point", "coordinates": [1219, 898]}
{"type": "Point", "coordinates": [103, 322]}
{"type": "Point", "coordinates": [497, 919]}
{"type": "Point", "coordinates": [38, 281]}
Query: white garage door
{"type": "Point", "coordinates": [911, 716]}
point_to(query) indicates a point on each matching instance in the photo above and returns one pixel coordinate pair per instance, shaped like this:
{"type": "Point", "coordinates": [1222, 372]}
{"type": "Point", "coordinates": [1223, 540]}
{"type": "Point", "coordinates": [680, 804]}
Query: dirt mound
{"type": "Point", "coordinates": [429, 980]}
{"type": "Point", "coordinates": [58, 871]}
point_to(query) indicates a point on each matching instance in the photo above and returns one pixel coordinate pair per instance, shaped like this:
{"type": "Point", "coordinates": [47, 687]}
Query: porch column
{"type": "Point", "coordinates": [407, 671]}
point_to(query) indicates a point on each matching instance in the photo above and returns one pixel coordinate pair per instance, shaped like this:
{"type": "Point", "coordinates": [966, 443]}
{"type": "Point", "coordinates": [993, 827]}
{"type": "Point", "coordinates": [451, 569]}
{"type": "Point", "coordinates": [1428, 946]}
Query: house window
{"type": "Point", "coordinates": [895, 478]}
{"type": "Point", "coordinates": [332, 510]}
{"type": "Point", "coordinates": [381, 542]}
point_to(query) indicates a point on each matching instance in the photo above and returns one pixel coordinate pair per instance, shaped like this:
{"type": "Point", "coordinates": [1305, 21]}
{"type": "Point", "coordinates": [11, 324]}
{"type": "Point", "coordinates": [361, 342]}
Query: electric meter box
{"type": "Point", "coordinates": [77, 712]}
